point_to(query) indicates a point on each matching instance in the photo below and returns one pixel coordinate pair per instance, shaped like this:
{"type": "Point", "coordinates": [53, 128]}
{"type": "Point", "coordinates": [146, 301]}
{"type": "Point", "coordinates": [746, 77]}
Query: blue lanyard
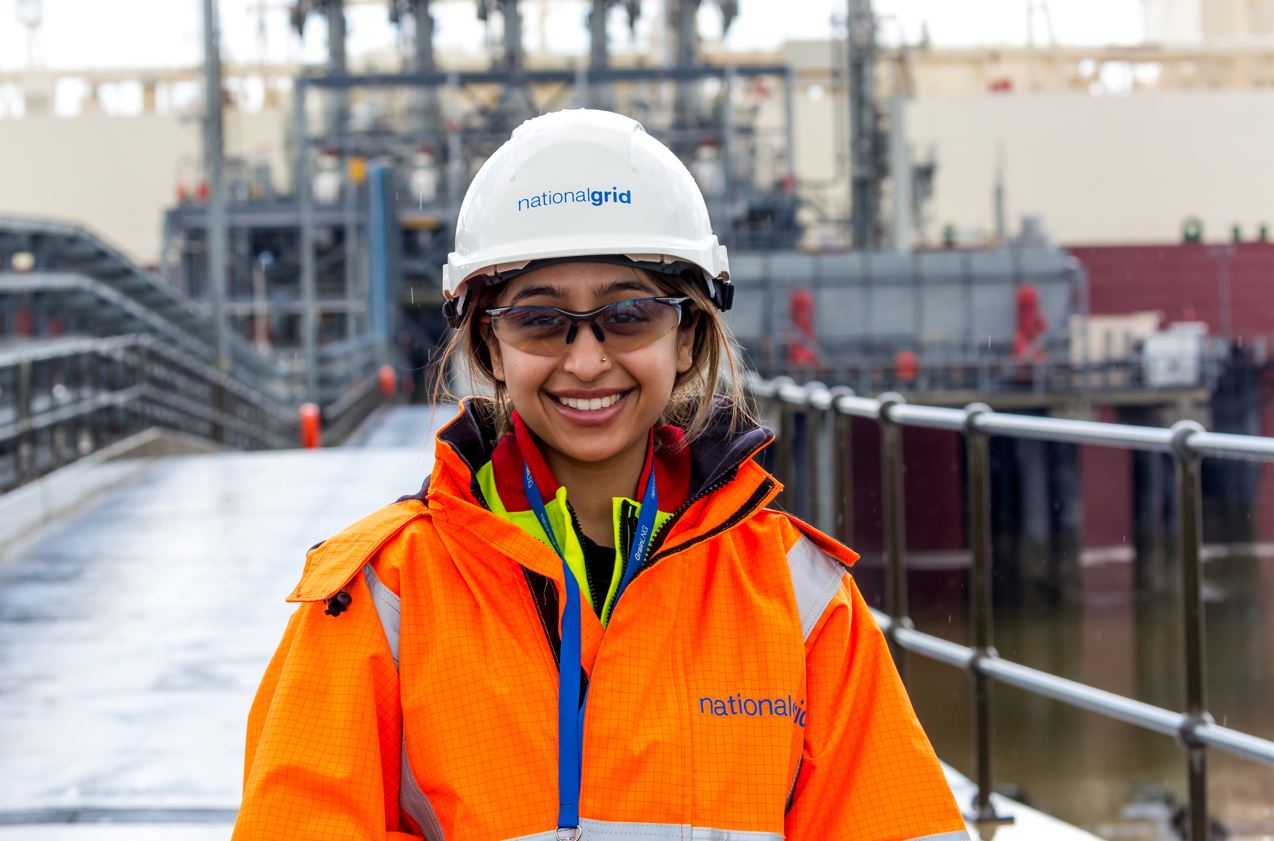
{"type": "Point", "coordinates": [570, 706]}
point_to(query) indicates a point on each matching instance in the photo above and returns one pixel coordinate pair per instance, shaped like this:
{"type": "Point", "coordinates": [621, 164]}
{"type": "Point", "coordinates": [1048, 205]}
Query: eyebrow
{"type": "Point", "coordinates": [558, 292]}
{"type": "Point", "coordinates": [532, 291]}
{"type": "Point", "coordinates": [622, 285]}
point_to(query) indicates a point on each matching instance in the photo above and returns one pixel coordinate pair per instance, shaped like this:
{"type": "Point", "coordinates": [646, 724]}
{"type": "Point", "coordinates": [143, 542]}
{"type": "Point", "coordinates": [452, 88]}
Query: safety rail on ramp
{"type": "Point", "coordinates": [93, 348]}
{"type": "Point", "coordinates": [63, 399]}
{"type": "Point", "coordinates": [67, 249]}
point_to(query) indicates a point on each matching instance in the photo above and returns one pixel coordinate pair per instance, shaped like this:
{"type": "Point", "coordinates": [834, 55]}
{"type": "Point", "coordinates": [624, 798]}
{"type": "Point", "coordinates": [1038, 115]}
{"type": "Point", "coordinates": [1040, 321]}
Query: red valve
{"type": "Point", "coordinates": [309, 425]}
{"type": "Point", "coordinates": [388, 382]}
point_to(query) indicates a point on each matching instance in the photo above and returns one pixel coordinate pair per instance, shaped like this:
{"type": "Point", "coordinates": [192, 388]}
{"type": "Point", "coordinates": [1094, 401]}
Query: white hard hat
{"type": "Point", "coordinates": [583, 183]}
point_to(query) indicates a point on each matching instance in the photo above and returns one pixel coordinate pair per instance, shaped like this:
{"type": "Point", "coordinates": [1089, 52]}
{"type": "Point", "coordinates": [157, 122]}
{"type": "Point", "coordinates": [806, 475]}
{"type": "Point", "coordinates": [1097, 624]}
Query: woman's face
{"type": "Point", "coordinates": [634, 386]}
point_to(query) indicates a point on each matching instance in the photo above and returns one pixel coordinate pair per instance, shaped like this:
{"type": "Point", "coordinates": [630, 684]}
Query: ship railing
{"type": "Point", "coordinates": [997, 371]}
{"type": "Point", "coordinates": [828, 412]}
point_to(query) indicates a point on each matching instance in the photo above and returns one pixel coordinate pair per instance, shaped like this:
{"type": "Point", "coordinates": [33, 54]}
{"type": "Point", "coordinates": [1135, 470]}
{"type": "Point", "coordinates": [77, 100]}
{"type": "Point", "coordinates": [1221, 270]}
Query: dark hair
{"type": "Point", "coordinates": [715, 368]}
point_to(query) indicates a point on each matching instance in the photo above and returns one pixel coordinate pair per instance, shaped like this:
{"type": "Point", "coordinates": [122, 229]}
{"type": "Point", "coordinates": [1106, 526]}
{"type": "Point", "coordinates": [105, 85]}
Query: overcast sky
{"type": "Point", "coordinates": [101, 33]}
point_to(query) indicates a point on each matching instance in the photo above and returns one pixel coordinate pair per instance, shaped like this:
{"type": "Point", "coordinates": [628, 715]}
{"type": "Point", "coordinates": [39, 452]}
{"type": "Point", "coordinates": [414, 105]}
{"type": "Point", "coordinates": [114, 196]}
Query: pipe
{"type": "Point", "coordinates": [214, 160]}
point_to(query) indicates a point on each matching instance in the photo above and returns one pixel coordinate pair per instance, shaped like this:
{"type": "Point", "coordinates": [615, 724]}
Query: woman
{"type": "Point", "coordinates": [588, 624]}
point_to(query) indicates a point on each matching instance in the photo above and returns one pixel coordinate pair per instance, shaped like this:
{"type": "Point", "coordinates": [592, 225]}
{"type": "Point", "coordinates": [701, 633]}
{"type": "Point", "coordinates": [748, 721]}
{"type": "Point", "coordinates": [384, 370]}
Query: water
{"type": "Point", "coordinates": [1106, 776]}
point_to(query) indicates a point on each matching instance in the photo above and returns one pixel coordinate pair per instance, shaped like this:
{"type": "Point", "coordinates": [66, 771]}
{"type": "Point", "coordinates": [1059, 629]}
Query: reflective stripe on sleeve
{"type": "Point", "coordinates": [945, 836]}
{"type": "Point", "coordinates": [413, 801]}
{"type": "Point", "coordinates": [387, 608]}
{"type": "Point", "coordinates": [626, 831]}
{"type": "Point", "coordinates": [815, 577]}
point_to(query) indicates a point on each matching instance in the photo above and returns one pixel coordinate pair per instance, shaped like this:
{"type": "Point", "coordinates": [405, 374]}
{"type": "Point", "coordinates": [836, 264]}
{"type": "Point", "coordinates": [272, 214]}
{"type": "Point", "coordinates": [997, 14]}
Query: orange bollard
{"type": "Point", "coordinates": [907, 365]}
{"type": "Point", "coordinates": [309, 425]}
{"type": "Point", "coordinates": [388, 382]}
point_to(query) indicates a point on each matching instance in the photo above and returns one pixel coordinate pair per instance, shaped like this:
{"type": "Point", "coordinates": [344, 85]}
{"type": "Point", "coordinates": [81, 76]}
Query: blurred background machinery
{"type": "Point", "coordinates": [310, 278]}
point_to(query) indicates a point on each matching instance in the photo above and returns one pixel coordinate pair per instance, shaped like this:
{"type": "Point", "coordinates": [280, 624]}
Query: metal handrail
{"type": "Point", "coordinates": [143, 317]}
{"type": "Point", "coordinates": [1186, 441]}
{"type": "Point", "coordinates": [97, 259]}
{"type": "Point", "coordinates": [987, 371]}
{"type": "Point", "coordinates": [113, 387]}
{"type": "Point", "coordinates": [1110, 704]}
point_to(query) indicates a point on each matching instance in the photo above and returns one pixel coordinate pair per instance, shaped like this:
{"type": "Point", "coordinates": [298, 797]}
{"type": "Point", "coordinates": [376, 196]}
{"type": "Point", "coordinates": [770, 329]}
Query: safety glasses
{"type": "Point", "coordinates": [621, 326]}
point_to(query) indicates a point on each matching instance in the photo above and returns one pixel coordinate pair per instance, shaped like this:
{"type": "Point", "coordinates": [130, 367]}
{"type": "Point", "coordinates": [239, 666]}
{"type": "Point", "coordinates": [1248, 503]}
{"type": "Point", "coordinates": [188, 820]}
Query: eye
{"type": "Point", "coordinates": [535, 317]}
{"type": "Point", "coordinates": [629, 312]}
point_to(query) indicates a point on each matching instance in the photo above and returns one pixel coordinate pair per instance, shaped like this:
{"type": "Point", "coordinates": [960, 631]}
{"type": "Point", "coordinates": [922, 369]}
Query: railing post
{"type": "Point", "coordinates": [85, 396]}
{"type": "Point", "coordinates": [786, 433]}
{"type": "Point", "coordinates": [843, 472]}
{"type": "Point", "coordinates": [24, 445]}
{"type": "Point", "coordinates": [979, 469]}
{"type": "Point", "coordinates": [894, 515]}
{"type": "Point", "coordinates": [217, 396]}
{"type": "Point", "coordinates": [811, 480]}
{"type": "Point", "coordinates": [143, 380]}
{"type": "Point", "coordinates": [1191, 534]}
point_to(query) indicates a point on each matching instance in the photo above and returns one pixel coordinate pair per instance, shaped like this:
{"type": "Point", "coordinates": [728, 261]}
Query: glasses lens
{"type": "Point", "coordinates": [626, 325]}
{"type": "Point", "coordinates": [538, 330]}
{"type": "Point", "coordinates": [638, 322]}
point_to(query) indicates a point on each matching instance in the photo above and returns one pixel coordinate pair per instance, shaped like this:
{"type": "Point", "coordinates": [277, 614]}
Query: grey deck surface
{"type": "Point", "coordinates": [402, 426]}
{"type": "Point", "coordinates": [133, 633]}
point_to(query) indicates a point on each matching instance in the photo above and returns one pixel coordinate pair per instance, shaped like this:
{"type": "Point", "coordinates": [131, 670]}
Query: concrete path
{"type": "Point", "coordinates": [134, 632]}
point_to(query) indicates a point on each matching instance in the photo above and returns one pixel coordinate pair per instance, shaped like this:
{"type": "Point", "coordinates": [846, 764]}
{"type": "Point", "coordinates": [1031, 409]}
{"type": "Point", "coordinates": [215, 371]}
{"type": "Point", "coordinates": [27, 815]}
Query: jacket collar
{"type": "Point", "coordinates": [726, 486]}
{"type": "Point", "coordinates": [666, 451]}
{"type": "Point", "coordinates": [682, 471]}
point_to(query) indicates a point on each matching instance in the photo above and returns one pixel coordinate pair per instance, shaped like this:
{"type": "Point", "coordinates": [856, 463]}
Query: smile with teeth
{"type": "Point", "coordinates": [591, 404]}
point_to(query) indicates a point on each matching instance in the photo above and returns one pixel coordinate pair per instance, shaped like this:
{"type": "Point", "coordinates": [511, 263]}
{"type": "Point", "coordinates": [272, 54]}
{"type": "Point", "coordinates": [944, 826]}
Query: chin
{"type": "Point", "coordinates": [590, 452]}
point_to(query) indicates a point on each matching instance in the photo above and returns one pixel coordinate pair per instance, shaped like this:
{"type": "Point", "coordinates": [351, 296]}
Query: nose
{"type": "Point", "coordinates": [584, 356]}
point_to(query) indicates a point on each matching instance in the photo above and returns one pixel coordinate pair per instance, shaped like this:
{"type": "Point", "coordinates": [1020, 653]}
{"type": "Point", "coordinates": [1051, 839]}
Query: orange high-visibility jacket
{"type": "Point", "coordinates": [740, 690]}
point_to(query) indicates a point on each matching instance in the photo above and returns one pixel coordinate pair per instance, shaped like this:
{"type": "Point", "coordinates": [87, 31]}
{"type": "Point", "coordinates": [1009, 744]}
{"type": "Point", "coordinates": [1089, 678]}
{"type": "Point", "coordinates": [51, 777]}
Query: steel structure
{"type": "Point", "coordinates": [867, 144]}
{"type": "Point", "coordinates": [305, 264]}
{"type": "Point", "coordinates": [214, 163]}
{"type": "Point", "coordinates": [955, 311]}
{"type": "Point", "coordinates": [320, 246]}
{"type": "Point", "coordinates": [93, 349]}
{"type": "Point", "coordinates": [67, 249]}
{"type": "Point", "coordinates": [826, 464]}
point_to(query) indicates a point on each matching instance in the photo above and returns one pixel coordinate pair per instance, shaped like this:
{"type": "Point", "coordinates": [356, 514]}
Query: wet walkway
{"type": "Point", "coordinates": [402, 426]}
{"type": "Point", "coordinates": [133, 633]}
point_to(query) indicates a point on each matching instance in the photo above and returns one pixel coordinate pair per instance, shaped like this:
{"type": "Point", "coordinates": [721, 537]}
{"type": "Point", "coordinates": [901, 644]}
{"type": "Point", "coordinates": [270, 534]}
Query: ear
{"type": "Point", "coordinates": [685, 344]}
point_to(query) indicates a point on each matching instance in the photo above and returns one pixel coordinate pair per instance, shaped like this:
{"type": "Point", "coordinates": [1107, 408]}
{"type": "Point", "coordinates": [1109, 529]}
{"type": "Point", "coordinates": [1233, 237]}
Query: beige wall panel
{"type": "Point", "coordinates": [116, 175]}
{"type": "Point", "coordinates": [1104, 169]}
{"type": "Point", "coordinates": [1098, 169]}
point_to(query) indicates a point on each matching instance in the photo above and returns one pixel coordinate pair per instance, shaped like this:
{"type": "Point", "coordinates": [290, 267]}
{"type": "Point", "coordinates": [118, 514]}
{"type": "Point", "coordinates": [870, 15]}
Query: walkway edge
{"type": "Point", "coordinates": [31, 506]}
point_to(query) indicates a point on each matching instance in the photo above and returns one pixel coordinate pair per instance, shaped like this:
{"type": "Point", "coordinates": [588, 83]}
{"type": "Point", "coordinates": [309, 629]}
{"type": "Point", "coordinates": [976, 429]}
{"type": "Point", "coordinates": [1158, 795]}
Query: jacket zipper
{"type": "Point", "coordinates": [626, 529]}
{"type": "Point", "coordinates": [588, 573]}
{"type": "Point", "coordinates": [744, 511]}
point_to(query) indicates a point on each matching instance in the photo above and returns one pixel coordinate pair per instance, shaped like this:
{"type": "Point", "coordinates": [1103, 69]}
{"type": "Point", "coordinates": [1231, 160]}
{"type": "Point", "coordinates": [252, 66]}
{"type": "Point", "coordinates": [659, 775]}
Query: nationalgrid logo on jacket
{"type": "Point", "coordinates": [752, 707]}
{"type": "Point", "coordinates": [596, 198]}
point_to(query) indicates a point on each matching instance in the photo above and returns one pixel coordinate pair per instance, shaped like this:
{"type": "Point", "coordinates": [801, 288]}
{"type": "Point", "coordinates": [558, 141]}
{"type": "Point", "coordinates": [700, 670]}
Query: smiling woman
{"type": "Point", "coordinates": [652, 311]}
{"type": "Point", "coordinates": [656, 654]}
